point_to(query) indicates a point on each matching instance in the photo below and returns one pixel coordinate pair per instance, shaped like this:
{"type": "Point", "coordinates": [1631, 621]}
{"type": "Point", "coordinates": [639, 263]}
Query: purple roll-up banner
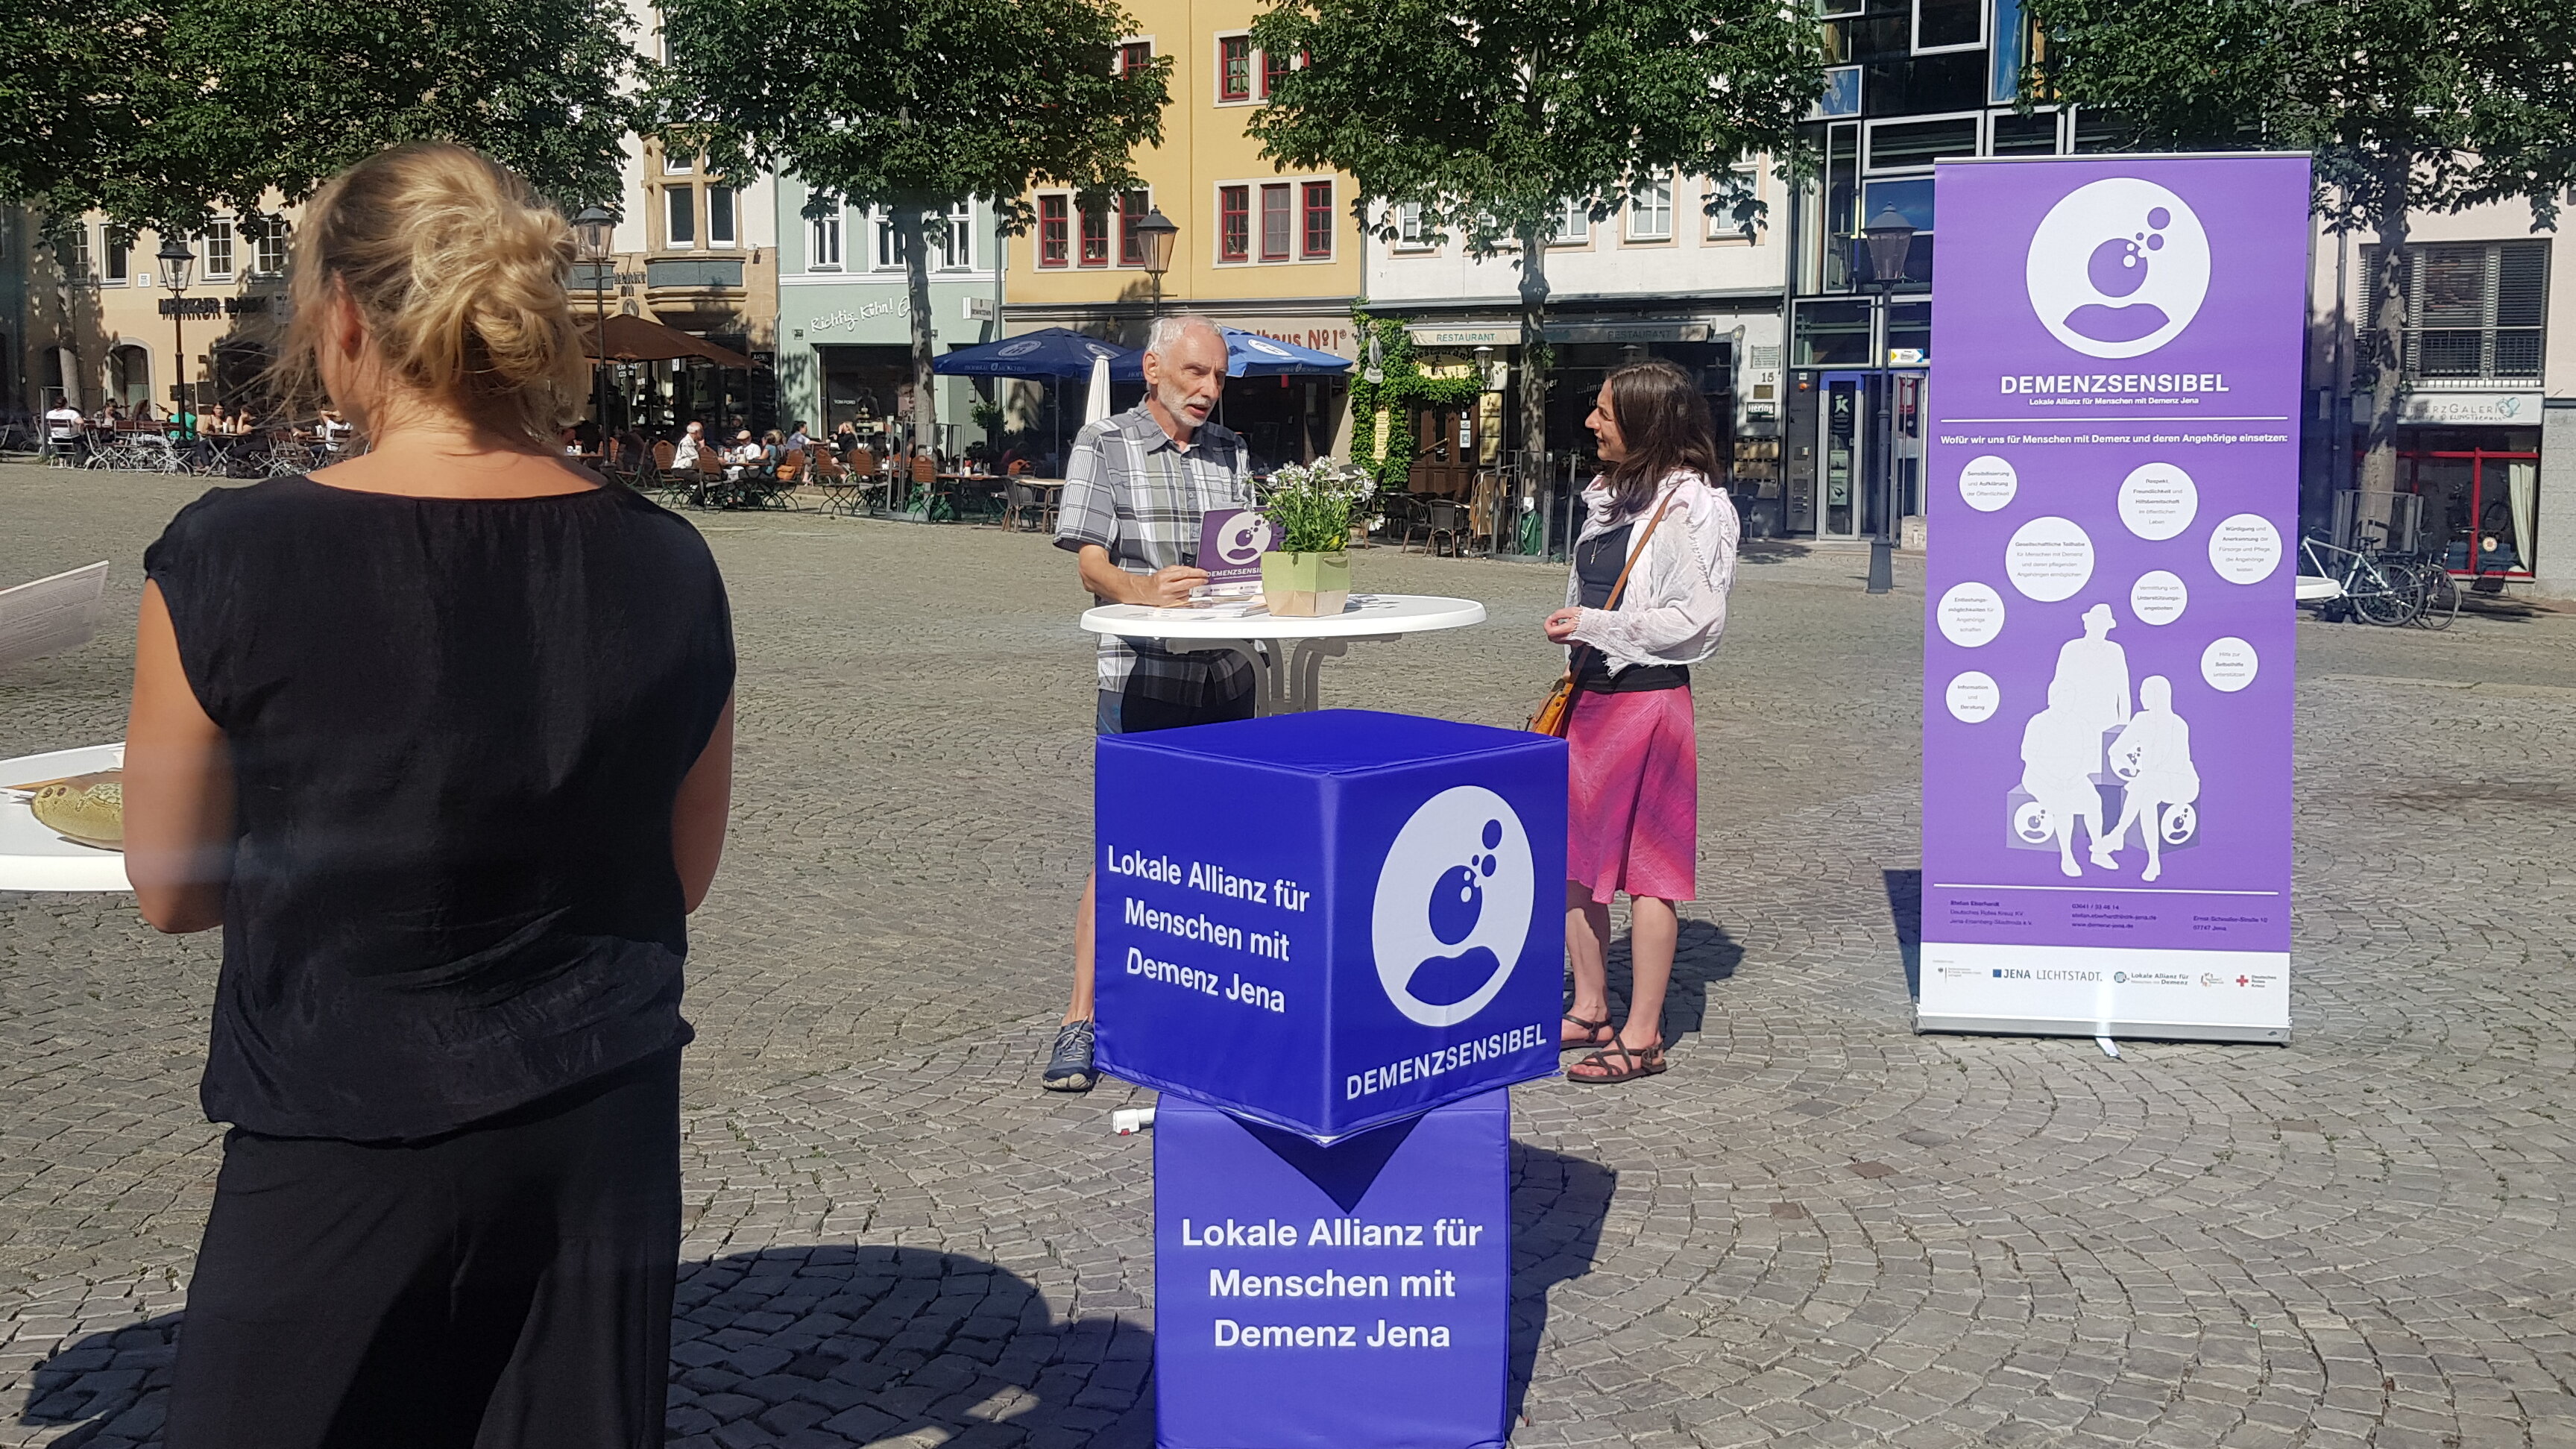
{"type": "Point", "coordinates": [2108, 650]}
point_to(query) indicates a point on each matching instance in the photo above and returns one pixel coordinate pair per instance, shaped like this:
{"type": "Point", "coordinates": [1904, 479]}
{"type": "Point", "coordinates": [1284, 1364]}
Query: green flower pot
{"type": "Point", "coordinates": [1305, 585]}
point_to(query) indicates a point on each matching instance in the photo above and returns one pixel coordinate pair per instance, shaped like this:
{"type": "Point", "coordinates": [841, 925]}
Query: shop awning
{"type": "Point", "coordinates": [638, 339]}
{"type": "Point", "coordinates": [1249, 354]}
{"type": "Point", "coordinates": [1049, 352]}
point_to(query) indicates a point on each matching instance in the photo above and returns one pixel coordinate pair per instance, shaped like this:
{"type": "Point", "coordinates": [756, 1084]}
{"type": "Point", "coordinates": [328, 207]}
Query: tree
{"type": "Point", "coordinates": [1496, 117]}
{"type": "Point", "coordinates": [160, 111]}
{"type": "Point", "coordinates": [916, 106]}
{"type": "Point", "coordinates": [2434, 105]}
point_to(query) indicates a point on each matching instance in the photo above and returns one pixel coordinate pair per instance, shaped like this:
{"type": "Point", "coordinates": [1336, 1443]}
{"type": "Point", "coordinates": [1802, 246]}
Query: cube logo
{"type": "Point", "coordinates": [1453, 905]}
{"type": "Point", "coordinates": [2118, 268]}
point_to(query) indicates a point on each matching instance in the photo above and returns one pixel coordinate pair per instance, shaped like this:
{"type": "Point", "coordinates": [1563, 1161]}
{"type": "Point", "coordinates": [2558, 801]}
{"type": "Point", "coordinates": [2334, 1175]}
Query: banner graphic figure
{"type": "Point", "coordinates": [2112, 487]}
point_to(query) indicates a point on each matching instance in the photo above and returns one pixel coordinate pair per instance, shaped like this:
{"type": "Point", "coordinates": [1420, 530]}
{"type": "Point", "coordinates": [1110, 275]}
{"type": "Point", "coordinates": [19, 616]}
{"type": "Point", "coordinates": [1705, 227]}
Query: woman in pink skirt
{"type": "Point", "coordinates": [1632, 819]}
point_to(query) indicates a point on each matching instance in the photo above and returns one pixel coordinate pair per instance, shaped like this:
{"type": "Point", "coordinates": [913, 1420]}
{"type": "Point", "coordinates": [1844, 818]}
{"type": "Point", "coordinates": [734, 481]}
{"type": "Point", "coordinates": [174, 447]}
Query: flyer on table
{"type": "Point", "coordinates": [2112, 488]}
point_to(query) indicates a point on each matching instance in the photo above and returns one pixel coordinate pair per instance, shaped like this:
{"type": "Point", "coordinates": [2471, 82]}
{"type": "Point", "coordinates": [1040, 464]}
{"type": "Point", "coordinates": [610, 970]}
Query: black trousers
{"type": "Point", "coordinates": [507, 1286]}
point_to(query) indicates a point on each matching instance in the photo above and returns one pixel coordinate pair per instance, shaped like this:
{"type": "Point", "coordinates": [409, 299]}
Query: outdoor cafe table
{"type": "Point", "coordinates": [33, 858]}
{"type": "Point", "coordinates": [1288, 653]}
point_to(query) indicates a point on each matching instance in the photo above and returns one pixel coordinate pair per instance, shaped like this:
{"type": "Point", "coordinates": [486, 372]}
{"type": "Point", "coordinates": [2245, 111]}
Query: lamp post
{"type": "Point", "coordinates": [596, 227]}
{"type": "Point", "coordinates": [1155, 235]}
{"type": "Point", "coordinates": [1889, 236]}
{"type": "Point", "coordinates": [177, 257]}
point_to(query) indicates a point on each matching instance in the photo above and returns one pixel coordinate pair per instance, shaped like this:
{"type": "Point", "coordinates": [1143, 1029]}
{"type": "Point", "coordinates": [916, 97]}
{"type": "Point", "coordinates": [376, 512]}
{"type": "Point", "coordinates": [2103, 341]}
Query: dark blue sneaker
{"type": "Point", "coordinates": [1069, 1065]}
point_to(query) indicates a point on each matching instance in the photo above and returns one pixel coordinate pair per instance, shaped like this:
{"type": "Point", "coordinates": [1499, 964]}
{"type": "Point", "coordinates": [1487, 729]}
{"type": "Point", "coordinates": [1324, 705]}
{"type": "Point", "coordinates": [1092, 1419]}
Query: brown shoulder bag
{"type": "Point", "coordinates": [1556, 712]}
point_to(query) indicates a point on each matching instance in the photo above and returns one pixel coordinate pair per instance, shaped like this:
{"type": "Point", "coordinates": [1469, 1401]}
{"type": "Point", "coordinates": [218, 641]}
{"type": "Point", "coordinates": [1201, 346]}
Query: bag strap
{"type": "Point", "coordinates": [1573, 661]}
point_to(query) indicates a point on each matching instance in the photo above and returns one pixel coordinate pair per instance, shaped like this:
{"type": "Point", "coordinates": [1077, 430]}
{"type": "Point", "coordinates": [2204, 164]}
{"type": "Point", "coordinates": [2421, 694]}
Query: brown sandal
{"type": "Point", "coordinates": [1629, 1064]}
{"type": "Point", "coordinates": [1591, 1034]}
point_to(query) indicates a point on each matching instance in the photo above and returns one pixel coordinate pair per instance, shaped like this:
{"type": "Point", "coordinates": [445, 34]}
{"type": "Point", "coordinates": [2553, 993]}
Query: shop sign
{"type": "Point", "coordinates": [1431, 334]}
{"type": "Point", "coordinates": [213, 306]}
{"type": "Point", "coordinates": [1333, 337]}
{"type": "Point", "coordinates": [899, 305]}
{"type": "Point", "coordinates": [1578, 332]}
{"type": "Point", "coordinates": [2492, 409]}
{"type": "Point", "coordinates": [2108, 633]}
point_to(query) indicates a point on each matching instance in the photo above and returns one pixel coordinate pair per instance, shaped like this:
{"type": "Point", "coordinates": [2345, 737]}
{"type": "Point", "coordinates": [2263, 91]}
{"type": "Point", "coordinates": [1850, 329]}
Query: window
{"type": "Point", "coordinates": [219, 249]}
{"type": "Point", "coordinates": [823, 253]}
{"type": "Point", "coordinates": [953, 239]}
{"type": "Point", "coordinates": [74, 254]}
{"type": "Point", "coordinates": [1650, 211]}
{"type": "Point", "coordinates": [680, 205]}
{"type": "Point", "coordinates": [1275, 222]}
{"type": "Point", "coordinates": [268, 254]}
{"type": "Point", "coordinates": [1234, 223]}
{"type": "Point", "coordinates": [1572, 225]}
{"type": "Point", "coordinates": [1318, 217]}
{"type": "Point", "coordinates": [1915, 145]}
{"type": "Point", "coordinates": [720, 205]}
{"type": "Point", "coordinates": [1131, 210]}
{"type": "Point", "coordinates": [1742, 182]}
{"type": "Point", "coordinates": [1234, 68]}
{"type": "Point", "coordinates": [1272, 68]}
{"type": "Point", "coordinates": [1055, 240]}
{"type": "Point", "coordinates": [117, 255]}
{"type": "Point", "coordinates": [1095, 237]}
{"type": "Point", "coordinates": [1409, 230]}
{"type": "Point", "coordinates": [1134, 56]}
{"type": "Point", "coordinates": [2474, 309]}
{"type": "Point", "coordinates": [674, 164]}
{"type": "Point", "coordinates": [2024, 135]}
{"type": "Point", "coordinates": [889, 247]}
{"type": "Point", "coordinates": [1949, 25]}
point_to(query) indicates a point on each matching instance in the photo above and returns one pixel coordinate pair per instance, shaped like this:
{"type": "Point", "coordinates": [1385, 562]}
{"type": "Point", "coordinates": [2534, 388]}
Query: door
{"type": "Point", "coordinates": [1842, 433]}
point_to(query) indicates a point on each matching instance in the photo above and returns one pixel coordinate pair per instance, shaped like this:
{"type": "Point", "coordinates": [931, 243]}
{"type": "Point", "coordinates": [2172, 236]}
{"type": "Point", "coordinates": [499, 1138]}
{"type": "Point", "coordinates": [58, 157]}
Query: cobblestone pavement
{"type": "Point", "coordinates": [1818, 1228]}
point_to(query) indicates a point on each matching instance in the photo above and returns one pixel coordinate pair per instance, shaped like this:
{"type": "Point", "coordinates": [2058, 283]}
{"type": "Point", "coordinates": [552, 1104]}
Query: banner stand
{"type": "Point", "coordinates": [2111, 491]}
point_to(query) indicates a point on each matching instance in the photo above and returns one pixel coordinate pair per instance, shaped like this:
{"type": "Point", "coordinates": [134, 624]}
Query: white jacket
{"type": "Point", "coordinates": [1674, 607]}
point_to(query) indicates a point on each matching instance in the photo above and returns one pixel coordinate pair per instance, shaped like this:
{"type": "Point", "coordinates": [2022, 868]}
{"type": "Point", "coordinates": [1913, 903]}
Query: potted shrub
{"type": "Point", "coordinates": [1313, 505]}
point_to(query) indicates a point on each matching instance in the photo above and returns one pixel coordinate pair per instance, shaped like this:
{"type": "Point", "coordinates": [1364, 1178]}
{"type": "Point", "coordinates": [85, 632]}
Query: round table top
{"type": "Point", "coordinates": [33, 858]}
{"type": "Point", "coordinates": [1365, 615]}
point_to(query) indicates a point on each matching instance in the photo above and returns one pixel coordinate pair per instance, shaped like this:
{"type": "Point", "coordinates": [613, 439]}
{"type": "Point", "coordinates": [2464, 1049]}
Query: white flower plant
{"type": "Point", "coordinates": [1314, 504]}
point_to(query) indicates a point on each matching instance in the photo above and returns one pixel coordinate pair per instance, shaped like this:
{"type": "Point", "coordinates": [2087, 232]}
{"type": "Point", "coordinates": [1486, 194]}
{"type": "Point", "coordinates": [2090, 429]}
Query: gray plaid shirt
{"type": "Point", "coordinates": [1132, 490]}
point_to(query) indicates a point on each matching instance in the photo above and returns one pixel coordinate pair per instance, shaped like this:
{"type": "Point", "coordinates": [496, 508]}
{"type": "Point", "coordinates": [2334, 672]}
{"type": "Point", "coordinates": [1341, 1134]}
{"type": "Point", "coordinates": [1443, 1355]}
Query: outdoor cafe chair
{"type": "Point", "coordinates": [711, 488]}
{"type": "Point", "coordinates": [1025, 500]}
{"type": "Point", "coordinates": [833, 480]}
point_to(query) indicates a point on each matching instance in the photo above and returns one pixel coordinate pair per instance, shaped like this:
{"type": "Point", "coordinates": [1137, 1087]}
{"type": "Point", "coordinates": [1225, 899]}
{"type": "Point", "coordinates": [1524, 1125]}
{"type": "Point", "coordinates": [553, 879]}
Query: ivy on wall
{"type": "Point", "coordinates": [1407, 390]}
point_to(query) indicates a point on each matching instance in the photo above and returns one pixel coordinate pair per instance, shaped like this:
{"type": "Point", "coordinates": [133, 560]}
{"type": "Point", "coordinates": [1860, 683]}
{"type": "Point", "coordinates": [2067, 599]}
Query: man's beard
{"type": "Point", "coordinates": [1176, 401]}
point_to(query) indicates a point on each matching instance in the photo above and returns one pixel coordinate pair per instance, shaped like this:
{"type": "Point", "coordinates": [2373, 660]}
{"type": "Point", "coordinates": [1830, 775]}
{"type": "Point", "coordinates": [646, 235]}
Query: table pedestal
{"type": "Point", "coordinates": [1356, 1296]}
{"type": "Point", "coordinates": [1285, 671]}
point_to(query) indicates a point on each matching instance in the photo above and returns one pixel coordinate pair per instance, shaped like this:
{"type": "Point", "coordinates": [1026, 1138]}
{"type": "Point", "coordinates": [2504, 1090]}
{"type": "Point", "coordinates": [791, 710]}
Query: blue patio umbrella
{"type": "Point", "coordinates": [1249, 354]}
{"type": "Point", "coordinates": [1058, 352]}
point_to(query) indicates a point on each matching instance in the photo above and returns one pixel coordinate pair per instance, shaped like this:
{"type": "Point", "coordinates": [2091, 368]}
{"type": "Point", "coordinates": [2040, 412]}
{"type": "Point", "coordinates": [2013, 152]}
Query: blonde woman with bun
{"type": "Point", "coordinates": [441, 737]}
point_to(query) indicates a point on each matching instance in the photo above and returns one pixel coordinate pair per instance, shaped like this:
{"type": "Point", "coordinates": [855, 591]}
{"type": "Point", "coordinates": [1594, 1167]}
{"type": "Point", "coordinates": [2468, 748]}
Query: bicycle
{"type": "Point", "coordinates": [2439, 595]}
{"type": "Point", "coordinates": [2377, 591]}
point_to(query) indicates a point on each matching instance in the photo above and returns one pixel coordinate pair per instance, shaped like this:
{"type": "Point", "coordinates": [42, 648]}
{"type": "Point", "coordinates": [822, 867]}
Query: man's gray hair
{"type": "Point", "coordinates": [1168, 332]}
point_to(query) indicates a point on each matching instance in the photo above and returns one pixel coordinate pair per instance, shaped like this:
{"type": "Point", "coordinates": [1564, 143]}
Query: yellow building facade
{"type": "Point", "coordinates": [1268, 250]}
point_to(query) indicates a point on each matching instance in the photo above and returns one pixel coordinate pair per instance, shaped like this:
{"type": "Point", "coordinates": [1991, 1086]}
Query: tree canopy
{"type": "Point", "coordinates": [1493, 116]}
{"type": "Point", "coordinates": [916, 106]}
{"type": "Point", "coordinates": [2433, 105]}
{"type": "Point", "coordinates": [159, 112]}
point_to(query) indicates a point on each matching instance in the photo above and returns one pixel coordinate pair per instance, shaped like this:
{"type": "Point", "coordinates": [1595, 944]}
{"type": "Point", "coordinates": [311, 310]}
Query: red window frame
{"type": "Point", "coordinates": [1095, 238]}
{"type": "Point", "coordinates": [1134, 56]}
{"type": "Point", "coordinates": [1055, 230]}
{"type": "Point", "coordinates": [1234, 68]}
{"type": "Point", "coordinates": [1316, 216]}
{"type": "Point", "coordinates": [1131, 210]}
{"type": "Point", "coordinates": [1272, 68]}
{"type": "Point", "coordinates": [1234, 223]}
{"type": "Point", "coordinates": [1277, 200]}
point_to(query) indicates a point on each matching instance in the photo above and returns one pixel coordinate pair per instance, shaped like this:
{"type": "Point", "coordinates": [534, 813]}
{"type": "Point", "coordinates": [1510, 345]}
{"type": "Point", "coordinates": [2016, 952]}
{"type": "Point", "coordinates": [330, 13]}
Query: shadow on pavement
{"type": "Point", "coordinates": [1558, 1203]}
{"type": "Point", "coordinates": [811, 1346]}
{"type": "Point", "coordinates": [1905, 909]}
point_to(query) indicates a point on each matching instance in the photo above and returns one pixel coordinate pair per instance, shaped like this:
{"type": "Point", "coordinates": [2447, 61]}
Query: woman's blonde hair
{"type": "Point", "coordinates": [458, 272]}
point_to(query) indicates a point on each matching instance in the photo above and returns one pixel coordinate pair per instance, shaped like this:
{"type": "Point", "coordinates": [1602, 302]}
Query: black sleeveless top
{"type": "Point", "coordinates": [458, 726]}
{"type": "Point", "coordinates": [1597, 563]}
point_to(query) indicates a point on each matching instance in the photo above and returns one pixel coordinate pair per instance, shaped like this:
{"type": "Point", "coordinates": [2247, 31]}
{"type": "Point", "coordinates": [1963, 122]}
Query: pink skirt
{"type": "Point", "coordinates": [1632, 812]}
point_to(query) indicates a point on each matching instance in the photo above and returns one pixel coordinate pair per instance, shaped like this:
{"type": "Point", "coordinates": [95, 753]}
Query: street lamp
{"type": "Point", "coordinates": [1154, 236]}
{"type": "Point", "coordinates": [177, 257]}
{"type": "Point", "coordinates": [1889, 237]}
{"type": "Point", "coordinates": [596, 228]}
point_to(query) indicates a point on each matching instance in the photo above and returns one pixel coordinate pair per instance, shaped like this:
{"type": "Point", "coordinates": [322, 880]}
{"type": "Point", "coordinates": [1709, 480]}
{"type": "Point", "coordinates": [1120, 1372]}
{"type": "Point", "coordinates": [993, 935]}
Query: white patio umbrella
{"type": "Point", "coordinates": [1096, 407]}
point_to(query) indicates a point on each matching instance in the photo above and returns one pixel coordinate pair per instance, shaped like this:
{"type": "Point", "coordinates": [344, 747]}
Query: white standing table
{"type": "Point", "coordinates": [1286, 653]}
{"type": "Point", "coordinates": [33, 858]}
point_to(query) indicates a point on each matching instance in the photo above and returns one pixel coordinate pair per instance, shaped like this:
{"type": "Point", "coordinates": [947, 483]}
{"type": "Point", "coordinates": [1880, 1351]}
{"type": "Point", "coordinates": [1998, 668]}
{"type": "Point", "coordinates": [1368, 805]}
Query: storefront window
{"type": "Point", "coordinates": [2480, 508]}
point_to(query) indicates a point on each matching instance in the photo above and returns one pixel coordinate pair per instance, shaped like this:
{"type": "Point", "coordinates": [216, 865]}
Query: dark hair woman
{"type": "Point", "coordinates": [441, 736]}
{"type": "Point", "coordinates": [1632, 816]}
